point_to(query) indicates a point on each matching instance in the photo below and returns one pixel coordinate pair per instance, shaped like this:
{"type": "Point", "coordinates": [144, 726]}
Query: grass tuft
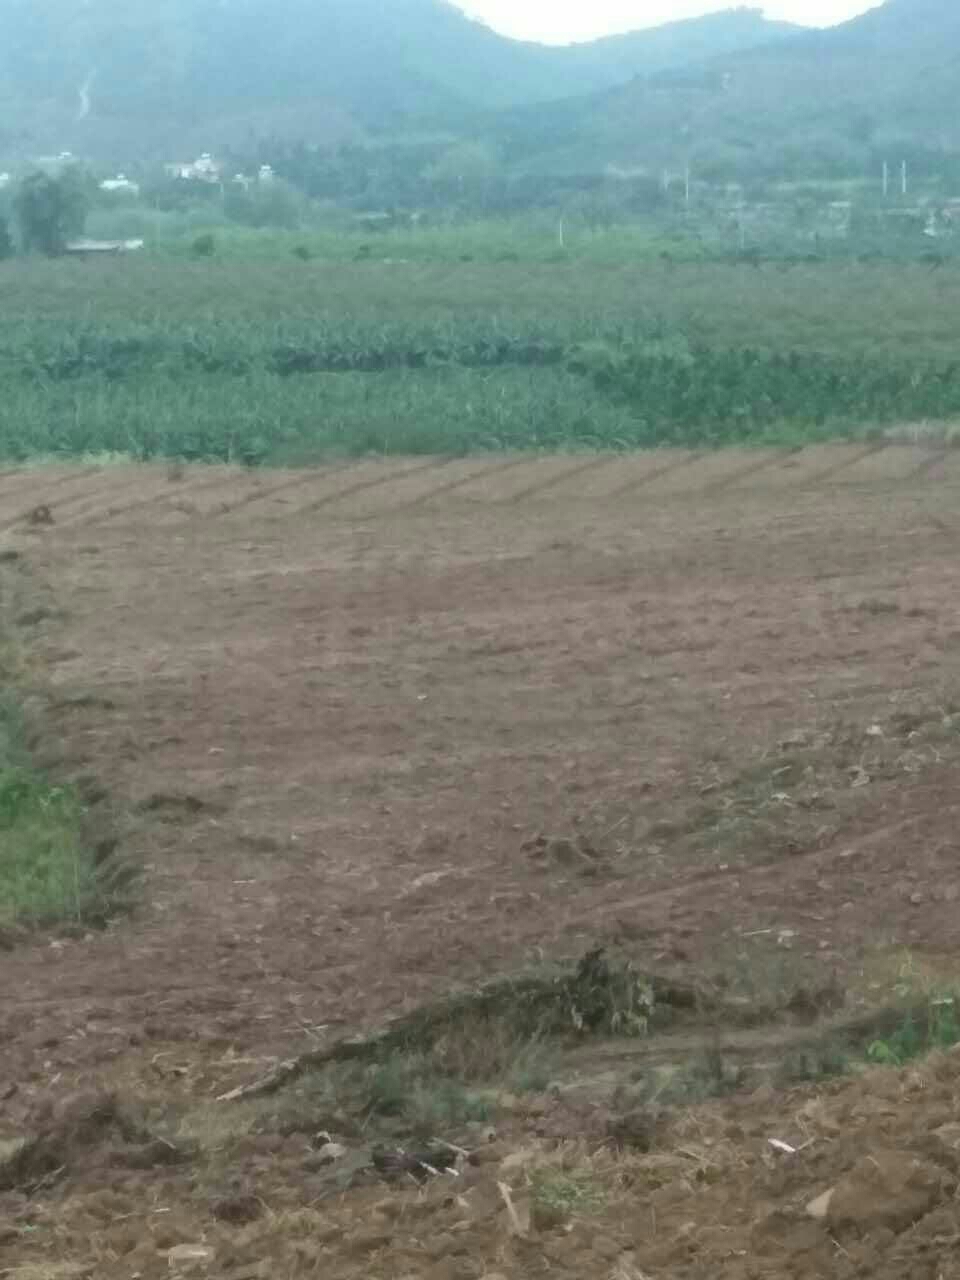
{"type": "Point", "coordinates": [556, 1195]}
{"type": "Point", "coordinates": [51, 871]}
{"type": "Point", "coordinates": [937, 1027]}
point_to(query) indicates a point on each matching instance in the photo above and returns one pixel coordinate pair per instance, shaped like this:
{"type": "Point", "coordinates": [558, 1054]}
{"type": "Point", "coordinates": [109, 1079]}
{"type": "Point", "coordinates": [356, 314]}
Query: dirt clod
{"type": "Point", "coordinates": [889, 1189]}
{"type": "Point", "coordinates": [238, 1209]}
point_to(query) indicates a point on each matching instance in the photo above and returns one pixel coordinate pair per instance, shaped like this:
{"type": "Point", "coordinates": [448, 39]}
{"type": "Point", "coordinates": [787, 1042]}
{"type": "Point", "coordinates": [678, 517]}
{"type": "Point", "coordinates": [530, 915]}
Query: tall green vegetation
{"type": "Point", "coordinates": [288, 359]}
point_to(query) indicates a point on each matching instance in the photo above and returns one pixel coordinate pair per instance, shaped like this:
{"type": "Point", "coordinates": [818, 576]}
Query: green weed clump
{"type": "Point", "coordinates": [45, 874]}
{"type": "Point", "coordinates": [559, 1194]}
{"type": "Point", "coordinates": [936, 1027]}
{"type": "Point", "coordinates": [50, 873]}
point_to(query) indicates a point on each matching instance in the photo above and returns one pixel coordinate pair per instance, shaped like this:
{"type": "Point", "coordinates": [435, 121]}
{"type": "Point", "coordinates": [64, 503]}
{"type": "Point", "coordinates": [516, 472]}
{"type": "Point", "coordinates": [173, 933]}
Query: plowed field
{"type": "Point", "coordinates": [337, 707]}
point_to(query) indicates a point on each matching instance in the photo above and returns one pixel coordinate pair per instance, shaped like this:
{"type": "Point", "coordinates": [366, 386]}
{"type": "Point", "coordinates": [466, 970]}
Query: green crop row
{"type": "Point", "coordinates": [269, 361]}
{"type": "Point", "coordinates": [269, 418]}
{"type": "Point", "coordinates": [702, 395]}
{"type": "Point", "coordinates": [258, 306]}
{"type": "Point", "coordinates": [266, 417]}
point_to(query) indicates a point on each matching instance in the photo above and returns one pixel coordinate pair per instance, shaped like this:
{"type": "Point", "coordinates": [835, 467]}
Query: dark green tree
{"type": "Point", "coordinates": [51, 209]}
{"type": "Point", "coordinates": [6, 239]}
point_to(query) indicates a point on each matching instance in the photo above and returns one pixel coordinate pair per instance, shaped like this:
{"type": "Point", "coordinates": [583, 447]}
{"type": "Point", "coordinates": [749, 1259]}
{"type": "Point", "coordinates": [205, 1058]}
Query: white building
{"type": "Point", "coordinates": [205, 169]}
{"type": "Point", "coordinates": [265, 175]}
{"type": "Point", "coordinates": [87, 247]}
{"type": "Point", "coordinates": [121, 185]}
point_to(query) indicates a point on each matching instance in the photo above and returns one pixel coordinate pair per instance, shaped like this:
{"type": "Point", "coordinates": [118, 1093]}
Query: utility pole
{"type": "Point", "coordinates": [686, 186]}
{"type": "Point", "coordinates": [886, 179]}
{"type": "Point", "coordinates": [903, 178]}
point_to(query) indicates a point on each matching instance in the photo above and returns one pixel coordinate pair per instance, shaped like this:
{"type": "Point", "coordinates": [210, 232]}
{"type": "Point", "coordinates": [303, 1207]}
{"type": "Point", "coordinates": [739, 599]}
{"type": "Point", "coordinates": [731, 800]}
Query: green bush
{"type": "Point", "coordinates": [50, 209]}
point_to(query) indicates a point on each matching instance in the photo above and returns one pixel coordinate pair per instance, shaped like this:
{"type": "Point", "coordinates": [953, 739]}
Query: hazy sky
{"type": "Point", "coordinates": [562, 20]}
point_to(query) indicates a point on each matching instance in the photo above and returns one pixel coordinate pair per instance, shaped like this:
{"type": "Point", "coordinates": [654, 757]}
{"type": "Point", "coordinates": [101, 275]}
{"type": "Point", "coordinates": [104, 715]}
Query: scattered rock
{"type": "Point", "coordinates": [820, 1207]}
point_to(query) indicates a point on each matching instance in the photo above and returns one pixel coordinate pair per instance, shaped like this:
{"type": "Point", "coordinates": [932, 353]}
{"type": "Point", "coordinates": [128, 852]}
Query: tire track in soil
{"type": "Point", "coordinates": [554, 482]}
{"type": "Point", "coordinates": [42, 489]}
{"type": "Point", "coordinates": [642, 481]}
{"type": "Point", "coordinates": [376, 482]}
{"type": "Point", "coordinates": [38, 479]}
{"type": "Point", "coordinates": [83, 501]}
{"type": "Point", "coordinates": [495, 468]}
{"type": "Point", "coordinates": [652, 904]}
{"type": "Point", "coordinates": [888, 466]}
{"type": "Point", "coordinates": [731, 481]}
{"type": "Point", "coordinates": [926, 468]}
{"type": "Point", "coordinates": [308, 476]}
{"type": "Point", "coordinates": [835, 470]}
{"type": "Point", "coordinates": [170, 494]}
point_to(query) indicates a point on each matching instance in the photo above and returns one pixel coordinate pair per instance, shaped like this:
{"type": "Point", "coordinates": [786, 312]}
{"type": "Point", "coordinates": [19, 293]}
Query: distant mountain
{"type": "Point", "coordinates": [828, 103]}
{"type": "Point", "coordinates": [130, 78]}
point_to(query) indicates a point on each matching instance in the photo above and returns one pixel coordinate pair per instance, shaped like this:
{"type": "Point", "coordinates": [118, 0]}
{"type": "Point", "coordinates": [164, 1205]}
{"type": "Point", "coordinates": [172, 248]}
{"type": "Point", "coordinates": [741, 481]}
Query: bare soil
{"type": "Point", "coordinates": [382, 729]}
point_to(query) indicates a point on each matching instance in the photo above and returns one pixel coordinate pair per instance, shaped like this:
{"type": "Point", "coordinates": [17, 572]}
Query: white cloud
{"type": "Point", "coordinates": [563, 20]}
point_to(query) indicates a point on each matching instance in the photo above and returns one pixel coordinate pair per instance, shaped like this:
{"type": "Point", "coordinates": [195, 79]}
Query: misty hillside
{"type": "Point", "coordinates": [148, 76]}
{"type": "Point", "coordinates": [820, 103]}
